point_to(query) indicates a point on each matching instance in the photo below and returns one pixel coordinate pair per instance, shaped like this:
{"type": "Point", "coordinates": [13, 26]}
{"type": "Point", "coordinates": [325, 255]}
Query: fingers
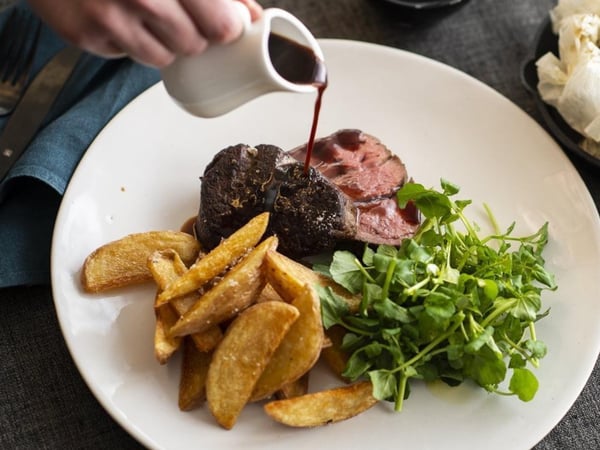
{"type": "Point", "coordinates": [254, 8]}
{"type": "Point", "coordinates": [115, 28]}
{"type": "Point", "coordinates": [171, 26]}
{"type": "Point", "coordinates": [186, 27]}
{"type": "Point", "coordinates": [151, 32]}
{"type": "Point", "coordinates": [157, 31]}
{"type": "Point", "coordinates": [217, 20]}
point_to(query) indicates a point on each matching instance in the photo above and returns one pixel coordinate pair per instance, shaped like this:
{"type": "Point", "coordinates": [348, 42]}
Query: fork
{"type": "Point", "coordinates": [18, 43]}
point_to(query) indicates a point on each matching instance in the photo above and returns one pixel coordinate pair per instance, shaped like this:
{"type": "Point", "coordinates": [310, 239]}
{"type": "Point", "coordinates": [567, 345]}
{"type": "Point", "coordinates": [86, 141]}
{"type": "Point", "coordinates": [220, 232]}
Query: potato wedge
{"type": "Point", "coordinates": [288, 278]}
{"type": "Point", "coordinates": [242, 355]}
{"type": "Point", "coordinates": [237, 290]}
{"type": "Point", "coordinates": [324, 407]}
{"type": "Point", "coordinates": [164, 344]}
{"type": "Point", "coordinates": [166, 316]}
{"type": "Point", "coordinates": [192, 382]}
{"type": "Point", "coordinates": [295, 388]}
{"type": "Point", "coordinates": [333, 355]}
{"type": "Point", "coordinates": [166, 266]}
{"type": "Point", "coordinates": [208, 339]}
{"type": "Point", "coordinates": [218, 259]}
{"type": "Point", "coordinates": [298, 351]}
{"type": "Point", "coordinates": [123, 262]}
{"type": "Point", "coordinates": [268, 294]}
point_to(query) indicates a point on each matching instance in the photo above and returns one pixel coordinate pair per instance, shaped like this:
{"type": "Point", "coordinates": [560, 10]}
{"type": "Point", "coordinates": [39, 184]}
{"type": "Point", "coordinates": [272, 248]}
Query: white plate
{"type": "Point", "coordinates": [142, 173]}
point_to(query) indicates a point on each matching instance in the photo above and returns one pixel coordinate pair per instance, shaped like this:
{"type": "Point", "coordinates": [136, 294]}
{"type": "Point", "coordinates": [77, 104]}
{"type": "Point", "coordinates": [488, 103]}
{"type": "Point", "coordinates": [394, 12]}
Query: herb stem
{"type": "Point", "coordinates": [364, 271]}
{"type": "Point", "coordinates": [401, 392]}
{"type": "Point", "coordinates": [532, 335]}
{"type": "Point", "coordinates": [388, 279]}
{"type": "Point", "coordinates": [492, 218]}
{"type": "Point", "coordinates": [357, 330]}
{"type": "Point", "coordinates": [516, 347]}
{"type": "Point", "coordinates": [498, 312]}
{"type": "Point", "coordinates": [432, 344]}
{"type": "Point", "coordinates": [506, 394]}
{"type": "Point", "coordinates": [413, 289]}
{"type": "Point", "coordinates": [532, 331]}
{"type": "Point", "coordinates": [467, 223]}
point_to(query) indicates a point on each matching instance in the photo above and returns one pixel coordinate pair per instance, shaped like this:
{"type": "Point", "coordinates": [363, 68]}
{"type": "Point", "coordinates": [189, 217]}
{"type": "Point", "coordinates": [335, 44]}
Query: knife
{"type": "Point", "coordinates": [33, 107]}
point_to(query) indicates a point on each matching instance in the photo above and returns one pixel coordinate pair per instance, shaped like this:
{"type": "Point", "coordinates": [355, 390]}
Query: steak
{"type": "Point", "coordinates": [348, 194]}
{"type": "Point", "coordinates": [307, 211]}
{"type": "Point", "coordinates": [362, 167]}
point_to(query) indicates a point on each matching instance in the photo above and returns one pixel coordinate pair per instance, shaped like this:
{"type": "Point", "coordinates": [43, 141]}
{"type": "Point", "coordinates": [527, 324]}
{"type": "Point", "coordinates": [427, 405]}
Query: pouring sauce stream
{"type": "Point", "coordinates": [298, 64]}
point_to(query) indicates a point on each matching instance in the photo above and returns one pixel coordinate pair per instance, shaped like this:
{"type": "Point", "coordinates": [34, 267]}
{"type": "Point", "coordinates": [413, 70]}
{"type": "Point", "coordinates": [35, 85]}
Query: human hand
{"type": "Point", "coordinates": [151, 32]}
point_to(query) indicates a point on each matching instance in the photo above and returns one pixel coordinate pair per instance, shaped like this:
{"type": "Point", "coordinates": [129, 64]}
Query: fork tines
{"type": "Point", "coordinates": [18, 45]}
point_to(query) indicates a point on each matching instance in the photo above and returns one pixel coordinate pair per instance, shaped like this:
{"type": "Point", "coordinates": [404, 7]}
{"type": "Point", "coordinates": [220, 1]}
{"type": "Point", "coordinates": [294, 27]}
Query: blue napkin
{"type": "Point", "coordinates": [32, 190]}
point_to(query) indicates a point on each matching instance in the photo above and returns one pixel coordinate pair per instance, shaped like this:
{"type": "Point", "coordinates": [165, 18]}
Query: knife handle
{"type": "Point", "coordinates": [8, 157]}
{"type": "Point", "coordinates": [29, 114]}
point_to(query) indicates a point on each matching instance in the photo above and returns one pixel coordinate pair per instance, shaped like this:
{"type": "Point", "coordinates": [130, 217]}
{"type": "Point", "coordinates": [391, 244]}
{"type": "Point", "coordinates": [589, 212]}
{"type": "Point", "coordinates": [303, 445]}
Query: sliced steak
{"type": "Point", "coordinates": [382, 222]}
{"type": "Point", "coordinates": [370, 174]}
{"type": "Point", "coordinates": [356, 162]}
{"type": "Point", "coordinates": [308, 212]}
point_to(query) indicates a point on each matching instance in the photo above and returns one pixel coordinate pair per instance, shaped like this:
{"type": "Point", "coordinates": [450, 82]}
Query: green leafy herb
{"type": "Point", "coordinates": [447, 304]}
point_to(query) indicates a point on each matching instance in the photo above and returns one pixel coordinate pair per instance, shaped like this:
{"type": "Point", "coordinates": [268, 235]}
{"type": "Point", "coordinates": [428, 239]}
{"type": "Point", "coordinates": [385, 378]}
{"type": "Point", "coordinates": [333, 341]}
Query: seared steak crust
{"type": "Point", "coordinates": [307, 211]}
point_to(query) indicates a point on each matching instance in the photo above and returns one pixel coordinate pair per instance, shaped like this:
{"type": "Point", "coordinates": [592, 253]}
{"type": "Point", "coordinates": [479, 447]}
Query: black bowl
{"type": "Point", "coordinates": [424, 4]}
{"type": "Point", "coordinates": [546, 41]}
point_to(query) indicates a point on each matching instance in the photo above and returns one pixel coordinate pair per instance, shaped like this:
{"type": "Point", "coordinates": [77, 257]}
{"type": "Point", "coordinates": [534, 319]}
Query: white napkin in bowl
{"type": "Point", "coordinates": [571, 81]}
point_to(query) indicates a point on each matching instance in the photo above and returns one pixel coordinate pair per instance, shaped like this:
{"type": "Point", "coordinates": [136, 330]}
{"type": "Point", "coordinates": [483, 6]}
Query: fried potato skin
{"type": "Point", "coordinates": [166, 266]}
{"type": "Point", "coordinates": [164, 344]}
{"type": "Point", "coordinates": [335, 357]}
{"type": "Point", "coordinates": [295, 388]}
{"type": "Point", "coordinates": [237, 290]}
{"type": "Point", "coordinates": [242, 355]}
{"type": "Point", "coordinates": [192, 381]}
{"type": "Point", "coordinates": [299, 350]}
{"type": "Point", "coordinates": [288, 278]}
{"type": "Point", "coordinates": [268, 294]}
{"type": "Point", "coordinates": [323, 407]}
{"type": "Point", "coordinates": [123, 262]}
{"type": "Point", "coordinates": [218, 259]}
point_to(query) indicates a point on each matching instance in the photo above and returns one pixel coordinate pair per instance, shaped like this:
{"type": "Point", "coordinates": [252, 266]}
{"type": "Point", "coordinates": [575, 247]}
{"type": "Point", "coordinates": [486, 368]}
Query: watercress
{"type": "Point", "coordinates": [446, 304]}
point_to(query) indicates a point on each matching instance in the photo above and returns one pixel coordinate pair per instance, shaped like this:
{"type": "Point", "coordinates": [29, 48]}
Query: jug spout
{"type": "Point", "coordinates": [275, 53]}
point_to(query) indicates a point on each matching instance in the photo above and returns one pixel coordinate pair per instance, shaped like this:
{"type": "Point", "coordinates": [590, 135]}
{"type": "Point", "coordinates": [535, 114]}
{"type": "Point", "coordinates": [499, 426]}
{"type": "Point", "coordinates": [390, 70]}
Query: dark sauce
{"type": "Point", "coordinates": [299, 65]}
{"type": "Point", "coordinates": [188, 226]}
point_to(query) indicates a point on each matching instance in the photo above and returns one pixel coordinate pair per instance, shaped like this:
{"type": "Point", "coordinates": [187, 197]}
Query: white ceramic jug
{"type": "Point", "coordinates": [227, 76]}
